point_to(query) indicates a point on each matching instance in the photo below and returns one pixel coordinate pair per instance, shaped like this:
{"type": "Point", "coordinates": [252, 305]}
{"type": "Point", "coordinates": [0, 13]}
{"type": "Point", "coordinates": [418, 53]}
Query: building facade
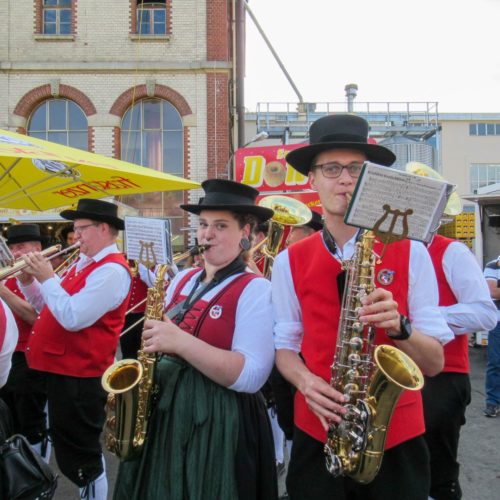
{"type": "Point", "coordinates": [145, 81]}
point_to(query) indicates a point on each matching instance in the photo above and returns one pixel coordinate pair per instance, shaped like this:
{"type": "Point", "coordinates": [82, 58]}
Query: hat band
{"type": "Point", "coordinates": [225, 199]}
{"type": "Point", "coordinates": [343, 138]}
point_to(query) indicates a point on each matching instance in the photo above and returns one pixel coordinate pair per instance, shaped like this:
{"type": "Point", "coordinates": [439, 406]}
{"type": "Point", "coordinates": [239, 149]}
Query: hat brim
{"type": "Point", "coordinates": [75, 214]}
{"type": "Point", "coordinates": [262, 213]}
{"type": "Point", "coordinates": [301, 158]}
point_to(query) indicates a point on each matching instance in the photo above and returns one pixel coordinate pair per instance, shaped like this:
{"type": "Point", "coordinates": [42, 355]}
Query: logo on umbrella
{"type": "Point", "coordinates": [14, 140]}
{"type": "Point", "coordinates": [55, 167]}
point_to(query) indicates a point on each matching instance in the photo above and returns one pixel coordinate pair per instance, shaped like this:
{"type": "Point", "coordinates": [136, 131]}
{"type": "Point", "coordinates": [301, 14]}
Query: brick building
{"type": "Point", "coordinates": [145, 81]}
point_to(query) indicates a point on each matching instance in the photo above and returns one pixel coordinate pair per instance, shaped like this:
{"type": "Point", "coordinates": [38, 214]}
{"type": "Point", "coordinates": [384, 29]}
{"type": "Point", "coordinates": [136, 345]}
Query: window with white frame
{"type": "Point", "coordinates": [483, 174]}
{"type": "Point", "coordinates": [484, 128]}
{"type": "Point", "coordinates": [152, 135]}
{"type": "Point", "coordinates": [56, 17]}
{"type": "Point", "coordinates": [61, 121]}
{"type": "Point", "coordinates": [151, 17]}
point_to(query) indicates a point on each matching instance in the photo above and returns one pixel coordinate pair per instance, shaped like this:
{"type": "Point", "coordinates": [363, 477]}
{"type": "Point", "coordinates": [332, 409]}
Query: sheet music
{"type": "Point", "coordinates": [140, 232]}
{"type": "Point", "coordinates": [382, 191]}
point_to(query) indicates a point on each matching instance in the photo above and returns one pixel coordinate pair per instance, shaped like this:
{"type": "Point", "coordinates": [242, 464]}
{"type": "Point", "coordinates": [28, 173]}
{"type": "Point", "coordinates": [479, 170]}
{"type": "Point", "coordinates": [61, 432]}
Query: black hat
{"type": "Point", "coordinates": [221, 194]}
{"type": "Point", "coordinates": [316, 221]}
{"type": "Point", "coordinates": [97, 210]}
{"type": "Point", "coordinates": [339, 131]}
{"type": "Point", "coordinates": [19, 233]}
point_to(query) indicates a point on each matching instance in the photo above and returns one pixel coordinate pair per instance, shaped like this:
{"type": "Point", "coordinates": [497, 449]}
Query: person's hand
{"type": "Point", "coordinates": [162, 336]}
{"type": "Point", "coordinates": [323, 400]}
{"type": "Point", "coordinates": [380, 310]}
{"type": "Point", "coordinates": [38, 266]}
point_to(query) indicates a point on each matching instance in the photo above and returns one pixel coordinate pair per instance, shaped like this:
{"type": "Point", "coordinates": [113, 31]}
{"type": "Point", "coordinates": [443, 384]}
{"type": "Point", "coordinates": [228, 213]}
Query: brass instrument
{"type": "Point", "coordinates": [372, 377]}
{"type": "Point", "coordinates": [130, 384]}
{"type": "Point", "coordinates": [69, 260]}
{"type": "Point", "coordinates": [288, 211]}
{"type": "Point", "coordinates": [20, 264]}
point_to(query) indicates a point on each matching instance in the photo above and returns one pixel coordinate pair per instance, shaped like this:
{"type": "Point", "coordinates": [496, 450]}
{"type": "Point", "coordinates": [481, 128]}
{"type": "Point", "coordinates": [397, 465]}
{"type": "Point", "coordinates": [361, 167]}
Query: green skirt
{"type": "Point", "coordinates": [195, 442]}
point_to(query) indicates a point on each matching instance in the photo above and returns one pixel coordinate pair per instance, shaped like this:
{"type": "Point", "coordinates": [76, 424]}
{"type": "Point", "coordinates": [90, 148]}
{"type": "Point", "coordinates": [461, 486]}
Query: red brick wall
{"type": "Point", "coordinates": [34, 97]}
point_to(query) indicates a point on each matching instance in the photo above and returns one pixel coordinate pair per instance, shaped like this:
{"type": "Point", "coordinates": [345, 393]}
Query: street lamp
{"type": "Point", "coordinates": [261, 136]}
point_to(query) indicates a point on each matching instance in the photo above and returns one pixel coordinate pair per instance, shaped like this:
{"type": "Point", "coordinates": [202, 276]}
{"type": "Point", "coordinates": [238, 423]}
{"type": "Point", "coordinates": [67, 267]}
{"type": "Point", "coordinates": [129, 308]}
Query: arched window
{"type": "Point", "coordinates": [61, 121]}
{"type": "Point", "coordinates": [152, 135]}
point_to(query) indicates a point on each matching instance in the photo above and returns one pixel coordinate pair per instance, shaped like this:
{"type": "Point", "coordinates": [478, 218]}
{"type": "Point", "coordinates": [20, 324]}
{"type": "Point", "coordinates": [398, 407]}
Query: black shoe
{"type": "Point", "coordinates": [491, 411]}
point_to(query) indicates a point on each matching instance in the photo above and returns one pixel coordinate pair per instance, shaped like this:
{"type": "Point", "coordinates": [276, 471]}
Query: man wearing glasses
{"type": "Point", "coordinates": [75, 338]}
{"type": "Point", "coordinates": [306, 302]}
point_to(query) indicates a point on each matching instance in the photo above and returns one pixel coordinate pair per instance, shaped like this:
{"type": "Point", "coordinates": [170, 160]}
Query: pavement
{"type": "Point", "coordinates": [479, 451]}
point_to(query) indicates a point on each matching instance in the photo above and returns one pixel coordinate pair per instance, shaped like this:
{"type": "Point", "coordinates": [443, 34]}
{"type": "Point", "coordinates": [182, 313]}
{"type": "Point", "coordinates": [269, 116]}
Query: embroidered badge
{"type": "Point", "coordinates": [215, 312]}
{"type": "Point", "coordinates": [385, 276]}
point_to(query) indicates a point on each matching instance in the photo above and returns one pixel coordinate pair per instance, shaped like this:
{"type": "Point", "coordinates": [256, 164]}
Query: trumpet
{"type": "Point", "coordinates": [20, 264]}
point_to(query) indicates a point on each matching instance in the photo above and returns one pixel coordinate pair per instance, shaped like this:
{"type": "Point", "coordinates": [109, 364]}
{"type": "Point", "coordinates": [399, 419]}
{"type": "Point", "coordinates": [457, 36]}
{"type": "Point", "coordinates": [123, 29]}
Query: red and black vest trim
{"type": "Point", "coordinates": [212, 321]}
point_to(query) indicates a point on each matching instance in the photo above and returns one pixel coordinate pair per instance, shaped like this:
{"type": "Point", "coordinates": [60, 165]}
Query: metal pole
{"type": "Point", "coordinates": [240, 71]}
{"type": "Point", "coordinates": [278, 60]}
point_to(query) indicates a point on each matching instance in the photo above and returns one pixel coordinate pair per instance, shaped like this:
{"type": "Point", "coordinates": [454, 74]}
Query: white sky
{"type": "Point", "coordinates": [394, 50]}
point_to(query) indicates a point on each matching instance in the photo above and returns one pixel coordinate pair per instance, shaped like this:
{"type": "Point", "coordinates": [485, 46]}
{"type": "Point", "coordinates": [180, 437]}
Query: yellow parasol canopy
{"type": "Point", "coordinates": [40, 175]}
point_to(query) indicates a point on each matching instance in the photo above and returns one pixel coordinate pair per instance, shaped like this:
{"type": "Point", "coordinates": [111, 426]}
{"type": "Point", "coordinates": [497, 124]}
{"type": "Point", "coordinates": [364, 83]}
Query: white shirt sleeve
{"type": "Point", "coordinates": [288, 329]}
{"type": "Point", "coordinates": [9, 343]}
{"type": "Point", "coordinates": [474, 310]}
{"type": "Point", "coordinates": [105, 289]}
{"type": "Point", "coordinates": [423, 296]}
{"type": "Point", "coordinates": [253, 336]}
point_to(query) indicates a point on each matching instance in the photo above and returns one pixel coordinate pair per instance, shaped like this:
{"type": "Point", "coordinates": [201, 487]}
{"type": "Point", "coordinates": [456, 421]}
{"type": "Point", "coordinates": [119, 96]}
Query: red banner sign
{"type": "Point", "coordinates": [266, 169]}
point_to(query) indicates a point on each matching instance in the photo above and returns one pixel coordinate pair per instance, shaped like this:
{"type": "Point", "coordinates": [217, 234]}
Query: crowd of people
{"type": "Point", "coordinates": [228, 331]}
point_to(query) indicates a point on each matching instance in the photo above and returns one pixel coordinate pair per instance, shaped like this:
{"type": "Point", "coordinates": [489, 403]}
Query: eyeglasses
{"type": "Point", "coordinates": [334, 170]}
{"type": "Point", "coordinates": [80, 229]}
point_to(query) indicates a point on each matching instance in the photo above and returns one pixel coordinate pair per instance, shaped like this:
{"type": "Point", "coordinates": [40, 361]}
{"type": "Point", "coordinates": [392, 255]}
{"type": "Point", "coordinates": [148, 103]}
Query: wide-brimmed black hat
{"type": "Point", "coordinates": [316, 221]}
{"type": "Point", "coordinates": [221, 194]}
{"type": "Point", "coordinates": [97, 210]}
{"type": "Point", "coordinates": [339, 131]}
{"type": "Point", "coordinates": [19, 233]}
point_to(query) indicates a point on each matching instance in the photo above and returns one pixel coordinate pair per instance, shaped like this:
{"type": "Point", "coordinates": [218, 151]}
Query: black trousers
{"type": "Point", "coordinates": [76, 418]}
{"type": "Point", "coordinates": [404, 474]}
{"type": "Point", "coordinates": [26, 395]}
{"type": "Point", "coordinates": [445, 397]}
{"type": "Point", "coordinates": [130, 343]}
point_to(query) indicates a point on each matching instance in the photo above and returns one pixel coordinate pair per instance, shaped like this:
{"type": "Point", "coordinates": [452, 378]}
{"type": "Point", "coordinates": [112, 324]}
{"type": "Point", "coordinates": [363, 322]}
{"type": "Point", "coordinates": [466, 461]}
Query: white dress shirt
{"type": "Point", "coordinates": [9, 343]}
{"type": "Point", "coordinates": [474, 311]}
{"type": "Point", "coordinates": [105, 289]}
{"type": "Point", "coordinates": [253, 333]}
{"type": "Point", "coordinates": [422, 298]}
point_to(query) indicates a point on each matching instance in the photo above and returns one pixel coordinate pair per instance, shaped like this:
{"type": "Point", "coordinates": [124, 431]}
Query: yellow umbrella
{"type": "Point", "coordinates": [39, 175]}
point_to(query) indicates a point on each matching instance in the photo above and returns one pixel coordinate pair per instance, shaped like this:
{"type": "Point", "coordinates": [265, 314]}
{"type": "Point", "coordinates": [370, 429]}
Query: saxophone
{"type": "Point", "coordinates": [131, 387]}
{"type": "Point", "coordinates": [372, 377]}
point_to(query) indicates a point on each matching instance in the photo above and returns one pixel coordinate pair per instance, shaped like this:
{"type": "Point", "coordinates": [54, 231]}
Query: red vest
{"type": "Point", "coordinates": [314, 272]}
{"type": "Point", "coordinates": [138, 292]}
{"type": "Point", "coordinates": [456, 352]}
{"type": "Point", "coordinates": [23, 327]}
{"type": "Point", "coordinates": [212, 321]}
{"type": "Point", "coordinates": [3, 325]}
{"type": "Point", "coordinates": [87, 352]}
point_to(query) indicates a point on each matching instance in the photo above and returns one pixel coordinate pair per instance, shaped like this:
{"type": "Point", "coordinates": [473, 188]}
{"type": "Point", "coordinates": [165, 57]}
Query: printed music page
{"type": "Point", "coordinates": [390, 199]}
{"type": "Point", "coordinates": [148, 240]}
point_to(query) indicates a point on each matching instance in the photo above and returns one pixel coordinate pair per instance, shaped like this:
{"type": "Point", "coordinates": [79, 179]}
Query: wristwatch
{"type": "Point", "coordinates": [404, 326]}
